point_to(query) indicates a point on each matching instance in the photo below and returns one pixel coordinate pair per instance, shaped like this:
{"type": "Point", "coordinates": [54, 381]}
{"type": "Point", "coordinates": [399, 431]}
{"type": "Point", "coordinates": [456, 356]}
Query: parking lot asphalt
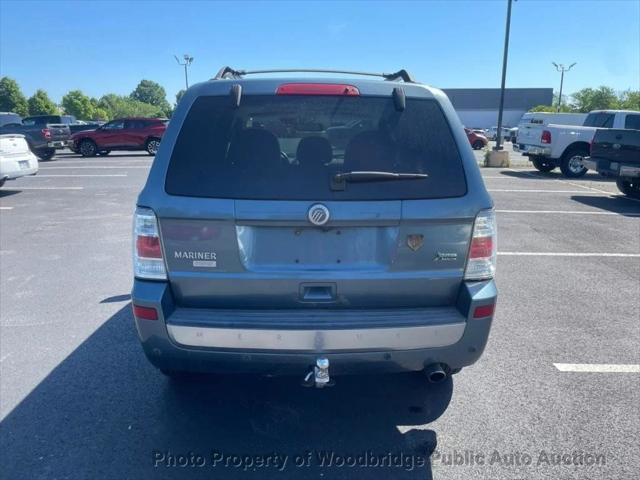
{"type": "Point", "coordinates": [78, 399]}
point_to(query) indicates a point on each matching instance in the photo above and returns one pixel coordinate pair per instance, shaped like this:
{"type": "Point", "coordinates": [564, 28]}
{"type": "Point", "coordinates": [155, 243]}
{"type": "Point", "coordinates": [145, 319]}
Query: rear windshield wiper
{"type": "Point", "coordinates": [339, 179]}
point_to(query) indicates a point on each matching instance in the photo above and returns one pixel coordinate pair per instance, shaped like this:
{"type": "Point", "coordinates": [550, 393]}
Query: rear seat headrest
{"type": "Point", "coordinates": [314, 151]}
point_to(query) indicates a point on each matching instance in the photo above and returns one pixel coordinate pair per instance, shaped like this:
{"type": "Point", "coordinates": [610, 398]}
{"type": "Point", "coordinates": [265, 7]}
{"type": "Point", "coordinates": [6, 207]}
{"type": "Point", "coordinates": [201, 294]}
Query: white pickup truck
{"type": "Point", "coordinates": [565, 146]}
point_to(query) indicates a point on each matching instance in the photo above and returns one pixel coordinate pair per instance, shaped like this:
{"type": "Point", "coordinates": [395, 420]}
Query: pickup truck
{"type": "Point", "coordinates": [43, 137]}
{"type": "Point", "coordinates": [616, 153]}
{"type": "Point", "coordinates": [532, 124]}
{"type": "Point", "coordinates": [565, 146]}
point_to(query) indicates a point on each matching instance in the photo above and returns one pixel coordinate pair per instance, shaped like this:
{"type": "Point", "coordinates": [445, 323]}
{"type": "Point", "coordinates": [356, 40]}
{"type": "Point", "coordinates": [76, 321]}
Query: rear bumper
{"type": "Point", "coordinates": [287, 342]}
{"type": "Point", "coordinates": [18, 166]}
{"type": "Point", "coordinates": [608, 168]}
{"type": "Point", "coordinates": [57, 143]}
{"type": "Point", "coordinates": [533, 150]}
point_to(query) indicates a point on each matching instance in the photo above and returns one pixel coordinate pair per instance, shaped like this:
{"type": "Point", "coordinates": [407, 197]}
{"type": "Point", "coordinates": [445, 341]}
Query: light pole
{"type": "Point", "coordinates": [504, 77]}
{"type": "Point", "coordinates": [561, 68]}
{"type": "Point", "coordinates": [188, 59]}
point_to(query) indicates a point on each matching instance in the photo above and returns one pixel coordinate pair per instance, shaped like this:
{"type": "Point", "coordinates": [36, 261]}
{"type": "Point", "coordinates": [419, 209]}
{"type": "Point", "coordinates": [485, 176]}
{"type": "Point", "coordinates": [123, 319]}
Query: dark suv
{"type": "Point", "coordinates": [120, 134]}
{"type": "Point", "coordinates": [264, 241]}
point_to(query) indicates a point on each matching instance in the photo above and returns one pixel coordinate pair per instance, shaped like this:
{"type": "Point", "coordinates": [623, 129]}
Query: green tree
{"type": "Point", "coordinates": [11, 98]}
{"type": "Point", "coordinates": [123, 106]}
{"type": "Point", "coordinates": [600, 98]}
{"type": "Point", "coordinates": [565, 107]}
{"type": "Point", "coordinates": [630, 100]}
{"type": "Point", "coordinates": [78, 104]}
{"type": "Point", "coordinates": [41, 104]}
{"type": "Point", "coordinates": [100, 114]}
{"type": "Point", "coordinates": [179, 95]}
{"type": "Point", "coordinates": [152, 93]}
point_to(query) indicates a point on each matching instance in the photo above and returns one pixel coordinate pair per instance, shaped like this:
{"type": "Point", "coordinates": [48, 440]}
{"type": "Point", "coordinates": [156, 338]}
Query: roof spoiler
{"type": "Point", "coordinates": [229, 73]}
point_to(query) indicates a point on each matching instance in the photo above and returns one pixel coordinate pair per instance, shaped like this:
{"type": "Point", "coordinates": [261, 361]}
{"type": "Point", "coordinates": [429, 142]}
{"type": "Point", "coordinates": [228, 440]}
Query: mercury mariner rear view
{"type": "Point", "coordinates": [315, 227]}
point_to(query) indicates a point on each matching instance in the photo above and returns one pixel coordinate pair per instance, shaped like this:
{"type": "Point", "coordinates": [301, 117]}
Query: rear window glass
{"type": "Point", "coordinates": [602, 120]}
{"type": "Point", "coordinates": [632, 122]}
{"type": "Point", "coordinates": [290, 148]}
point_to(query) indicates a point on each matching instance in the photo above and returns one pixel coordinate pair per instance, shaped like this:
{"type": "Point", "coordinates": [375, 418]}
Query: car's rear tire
{"type": "Point", "coordinates": [104, 152]}
{"type": "Point", "coordinates": [152, 146]}
{"type": "Point", "coordinates": [88, 148]}
{"type": "Point", "coordinates": [630, 188]}
{"type": "Point", "coordinates": [478, 144]}
{"type": "Point", "coordinates": [45, 154]}
{"type": "Point", "coordinates": [571, 164]}
{"type": "Point", "coordinates": [542, 165]}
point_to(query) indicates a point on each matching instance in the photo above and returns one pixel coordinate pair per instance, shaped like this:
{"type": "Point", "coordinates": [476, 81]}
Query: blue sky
{"type": "Point", "coordinates": [103, 47]}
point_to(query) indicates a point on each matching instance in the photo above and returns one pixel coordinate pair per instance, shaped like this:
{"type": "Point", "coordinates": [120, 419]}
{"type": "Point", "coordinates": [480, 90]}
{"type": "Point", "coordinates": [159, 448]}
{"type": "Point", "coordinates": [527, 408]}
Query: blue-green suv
{"type": "Point", "coordinates": [314, 226]}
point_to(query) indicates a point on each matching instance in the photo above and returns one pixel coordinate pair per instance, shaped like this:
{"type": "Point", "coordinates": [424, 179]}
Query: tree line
{"type": "Point", "coordinates": [148, 99]}
{"type": "Point", "coordinates": [587, 99]}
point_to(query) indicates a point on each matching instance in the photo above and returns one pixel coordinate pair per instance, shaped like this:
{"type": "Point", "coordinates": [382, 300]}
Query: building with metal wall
{"type": "Point", "coordinates": [478, 107]}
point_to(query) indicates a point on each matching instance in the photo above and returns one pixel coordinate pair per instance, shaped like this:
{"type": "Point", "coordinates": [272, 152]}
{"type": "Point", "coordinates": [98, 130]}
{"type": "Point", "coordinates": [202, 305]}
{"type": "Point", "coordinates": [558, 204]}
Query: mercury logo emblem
{"type": "Point", "coordinates": [318, 214]}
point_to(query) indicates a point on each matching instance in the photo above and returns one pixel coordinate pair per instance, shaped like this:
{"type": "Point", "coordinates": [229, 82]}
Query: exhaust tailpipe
{"type": "Point", "coordinates": [436, 372]}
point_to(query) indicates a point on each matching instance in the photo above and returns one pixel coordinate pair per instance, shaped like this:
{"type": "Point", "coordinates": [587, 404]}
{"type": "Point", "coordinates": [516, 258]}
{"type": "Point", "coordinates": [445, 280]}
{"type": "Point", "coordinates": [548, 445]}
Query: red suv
{"type": "Point", "coordinates": [476, 139]}
{"type": "Point", "coordinates": [120, 134]}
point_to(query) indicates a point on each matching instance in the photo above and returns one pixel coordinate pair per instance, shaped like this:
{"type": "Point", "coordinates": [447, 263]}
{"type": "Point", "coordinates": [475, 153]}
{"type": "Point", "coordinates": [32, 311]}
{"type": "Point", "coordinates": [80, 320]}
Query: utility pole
{"type": "Point", "coordinates": [561, 68]}
{"type": "Point", "coordinates": [504, 77]}
{"type": "Point", "coordinates": [188, 60]}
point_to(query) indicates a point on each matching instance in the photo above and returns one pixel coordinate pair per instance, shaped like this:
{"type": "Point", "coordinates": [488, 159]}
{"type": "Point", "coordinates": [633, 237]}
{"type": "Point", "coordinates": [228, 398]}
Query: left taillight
{"type": "Point", "coordinates": [148, 262]}
{"type": "Point", "coordinates": [46, 133]}
{"type": "Point", "coordinates": [483, 250]}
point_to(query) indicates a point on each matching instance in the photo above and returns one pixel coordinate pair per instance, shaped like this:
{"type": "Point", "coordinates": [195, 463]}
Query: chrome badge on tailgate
{"type": "Point", "coordinates": [200, 259]}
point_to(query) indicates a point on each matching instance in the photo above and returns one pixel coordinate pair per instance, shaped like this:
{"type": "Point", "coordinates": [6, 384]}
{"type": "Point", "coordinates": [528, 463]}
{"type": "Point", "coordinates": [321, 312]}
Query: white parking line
{"type": "Point", "coordinates": [506, 177]}
{"type": "Point", "coordinates": [4, 357]}
{"type": "Point", "coordinates": [568, 254]}
{"type": "Point", "coordinates": [597, 368]}
{"type": "Point", "coordinates": [47, 188]}
{"type": "Point", "coordinates": [579, 185]}
{"type": "Point", "coordinates": [582, 192]}
{"type": "Point", "coordinates": [95, 166]}
{"type": "Point", "coordinates": [6, 208]}
{"type": "Point", "coordinates": [80, 175]}
{"type": "Point", "coordinates": [572, 212]}
{"type": "Point", "coordinates": [110, 160]}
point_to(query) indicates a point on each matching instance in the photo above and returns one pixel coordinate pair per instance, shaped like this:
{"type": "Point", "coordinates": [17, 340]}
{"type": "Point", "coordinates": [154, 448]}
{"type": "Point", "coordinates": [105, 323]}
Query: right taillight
{"type": "Point", "coordinates": [46, 133]}
{"type": "Point", "coordinates": [546, 137]}
{"type": "Point", "coordinates": [483, 249]}
{"type": "Point", "coordinates": [148, 262]}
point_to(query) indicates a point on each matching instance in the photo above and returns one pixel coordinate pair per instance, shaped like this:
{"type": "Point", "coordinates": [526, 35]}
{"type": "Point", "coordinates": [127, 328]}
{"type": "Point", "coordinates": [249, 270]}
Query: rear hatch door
{"type": "Point", "coordinates": [13, 145]}
{"type": "Point", "coordinates": [257, 219]}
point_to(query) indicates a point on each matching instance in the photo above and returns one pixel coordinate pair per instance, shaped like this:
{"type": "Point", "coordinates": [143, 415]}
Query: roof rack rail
{"type": "Point", "coordinates": [230, 73]}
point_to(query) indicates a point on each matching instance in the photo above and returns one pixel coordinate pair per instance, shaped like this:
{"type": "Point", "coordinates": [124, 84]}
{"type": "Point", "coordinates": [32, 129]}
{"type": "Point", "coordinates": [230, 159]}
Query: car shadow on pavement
{"type": "Point", "coordinates": [616, 203]}
{"type": "Point", "coordinates": [104, 412]}
{"type": "Point", "coordinates": [117, 298]}
{"type": "Point", "coordinates": [7, 191]}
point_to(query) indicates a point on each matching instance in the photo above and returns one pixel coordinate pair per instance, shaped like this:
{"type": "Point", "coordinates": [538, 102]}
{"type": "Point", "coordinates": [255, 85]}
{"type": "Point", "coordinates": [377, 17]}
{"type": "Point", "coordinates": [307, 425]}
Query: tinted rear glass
{"type": "Point", "coordinates": [290, 147]}
{"type": "Point", "coordinates": [603, 120]}
{"type": "Point", "coordinates": [632, 122]}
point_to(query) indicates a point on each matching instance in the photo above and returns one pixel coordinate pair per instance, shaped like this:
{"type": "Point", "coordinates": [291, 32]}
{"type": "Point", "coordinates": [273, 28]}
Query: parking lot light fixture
{"type": "Point", "coordinates": [186, 63]}
{"type": "Point", "coordinates": [561, 68]}
{"type": "Point", "coordinates": [504, 77]}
